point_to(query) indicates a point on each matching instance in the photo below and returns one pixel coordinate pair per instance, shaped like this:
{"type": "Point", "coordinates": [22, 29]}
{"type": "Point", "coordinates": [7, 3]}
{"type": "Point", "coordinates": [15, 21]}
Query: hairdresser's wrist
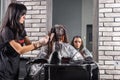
{"type": "Point", "coordinates": [35, 47]}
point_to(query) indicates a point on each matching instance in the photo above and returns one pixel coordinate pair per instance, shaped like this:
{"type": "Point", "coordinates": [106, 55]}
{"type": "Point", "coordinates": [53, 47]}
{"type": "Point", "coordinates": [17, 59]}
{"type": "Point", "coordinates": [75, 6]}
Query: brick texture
{"type": "Point", "coordinates": [109, 39]}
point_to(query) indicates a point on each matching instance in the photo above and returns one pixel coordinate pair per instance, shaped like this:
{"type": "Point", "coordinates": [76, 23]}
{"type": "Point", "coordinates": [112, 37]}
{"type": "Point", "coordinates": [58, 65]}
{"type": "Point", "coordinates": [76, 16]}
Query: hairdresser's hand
{"type": "Point", "coordinates": [41, 42]}
{"type": "Point", "coordinates": [45, 39]}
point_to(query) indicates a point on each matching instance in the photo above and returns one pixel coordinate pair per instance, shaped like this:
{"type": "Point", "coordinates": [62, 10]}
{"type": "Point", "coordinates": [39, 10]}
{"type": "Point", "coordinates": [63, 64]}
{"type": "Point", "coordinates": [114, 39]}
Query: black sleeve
{"type": "Point", "coordinates": [7, 35]}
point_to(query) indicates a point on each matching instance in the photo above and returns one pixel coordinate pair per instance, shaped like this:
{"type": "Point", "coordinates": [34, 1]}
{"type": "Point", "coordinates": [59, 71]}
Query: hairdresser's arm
{"type": "Point", "coordinates": [22, 49]}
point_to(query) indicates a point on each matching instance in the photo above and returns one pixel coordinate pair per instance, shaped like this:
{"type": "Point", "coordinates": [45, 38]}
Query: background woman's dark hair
{"type": "Point", "coordinates": [72, 42]}
{"type": "Point", "coordinates": [59, 32]}
{"type": "Point", "coordinates": [12, 17]}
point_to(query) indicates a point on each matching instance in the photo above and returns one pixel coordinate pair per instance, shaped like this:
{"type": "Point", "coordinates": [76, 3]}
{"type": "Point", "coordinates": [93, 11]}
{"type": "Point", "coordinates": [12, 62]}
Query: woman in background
{"type": "Point", "coordinates": [77, 43]}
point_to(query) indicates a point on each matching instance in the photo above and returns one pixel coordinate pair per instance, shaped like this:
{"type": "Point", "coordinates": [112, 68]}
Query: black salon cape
{"type": "Point", "coordinates": [11, 71]}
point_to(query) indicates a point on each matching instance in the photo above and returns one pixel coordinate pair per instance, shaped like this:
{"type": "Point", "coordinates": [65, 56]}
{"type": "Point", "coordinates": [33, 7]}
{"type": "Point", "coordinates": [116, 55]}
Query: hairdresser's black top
{"type": "Point", "coordinates": [13, 58]}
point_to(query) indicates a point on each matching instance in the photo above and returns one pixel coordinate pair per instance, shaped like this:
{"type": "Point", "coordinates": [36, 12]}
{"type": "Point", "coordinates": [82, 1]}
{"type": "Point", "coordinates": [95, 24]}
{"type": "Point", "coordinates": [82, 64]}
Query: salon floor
{"type": "Point", "coordinates": [22, 68]}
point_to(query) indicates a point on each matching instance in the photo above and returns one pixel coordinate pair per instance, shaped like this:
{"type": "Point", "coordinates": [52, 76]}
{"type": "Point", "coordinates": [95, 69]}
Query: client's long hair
{"type": "Point", "coordinates": [59, 35]}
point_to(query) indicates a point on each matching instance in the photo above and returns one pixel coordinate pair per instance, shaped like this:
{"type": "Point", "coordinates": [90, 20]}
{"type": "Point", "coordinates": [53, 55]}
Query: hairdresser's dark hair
{"type": "Point", "coordinates": [12, 17]}
{"type": "Point", "coordinates": [72, 42]}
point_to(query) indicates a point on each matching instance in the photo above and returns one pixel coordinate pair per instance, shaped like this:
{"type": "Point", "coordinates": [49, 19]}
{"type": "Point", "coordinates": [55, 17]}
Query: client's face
{"type": "Point", "coordinates": [77, 43]}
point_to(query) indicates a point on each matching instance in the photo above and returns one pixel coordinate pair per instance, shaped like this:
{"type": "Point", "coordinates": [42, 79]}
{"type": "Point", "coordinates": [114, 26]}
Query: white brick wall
{"type": "Point", "coordinates": [36, 21]}
{"type": "Point", "coordinates": [109, 39]}
{"type": "Point", "coordinates": [106, 1]}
